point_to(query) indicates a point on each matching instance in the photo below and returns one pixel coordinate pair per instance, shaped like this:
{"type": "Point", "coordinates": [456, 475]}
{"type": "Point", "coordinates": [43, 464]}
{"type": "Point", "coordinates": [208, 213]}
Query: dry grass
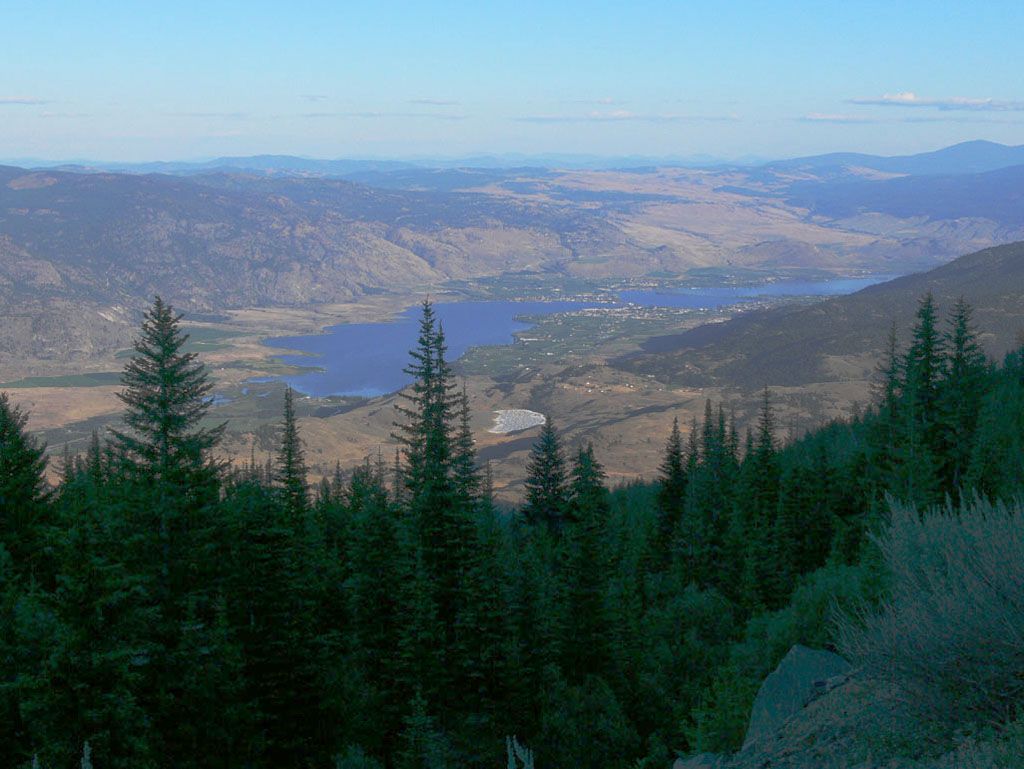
{"type": "Point", "coordinates": [49, 407]}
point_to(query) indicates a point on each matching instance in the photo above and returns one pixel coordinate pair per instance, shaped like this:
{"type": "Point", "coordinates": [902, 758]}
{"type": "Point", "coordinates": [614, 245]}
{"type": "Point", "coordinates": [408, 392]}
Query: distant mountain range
{"type": "Point", "coordinates": [966, 157]}
{"type": "Point", "coordinates": [841, 338]}
{"type": "Point", "coordinates": [345, 167]}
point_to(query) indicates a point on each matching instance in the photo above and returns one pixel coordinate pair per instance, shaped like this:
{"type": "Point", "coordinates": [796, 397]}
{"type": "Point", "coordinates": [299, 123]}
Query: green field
{"type": "Point", "coordinates": [98, 379]}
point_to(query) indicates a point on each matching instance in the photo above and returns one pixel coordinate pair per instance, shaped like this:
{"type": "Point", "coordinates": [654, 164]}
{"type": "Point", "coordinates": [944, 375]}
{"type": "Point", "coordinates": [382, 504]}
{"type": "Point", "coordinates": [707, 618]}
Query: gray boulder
{"type": "Point", "coordinates": [803, 675]}
{"type": "Point", "coordinates": [700, 761]}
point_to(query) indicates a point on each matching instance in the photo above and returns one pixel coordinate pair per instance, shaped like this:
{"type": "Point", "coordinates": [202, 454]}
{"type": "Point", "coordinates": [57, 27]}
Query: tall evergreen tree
{"type": "Point", "coordinates": [886, 429]}
{"type": "Point", "coordinates": [466, 473]}
{"type": "Point", "coordinates": [917, 477]}
{"type": "Point", "coordinates": [587, 566]}
{"type": "Point", "coordinates": [671, 489]}
{"type": "Point", "coordinates": [546, 483]}
{"type": "Point", "coordinates": [23, 492]}
{"type": "Point", "coordinates": [290, 470]}
{"type": "Point", "coordinates": [962, 393]}
{"type": "Point", "coordinates": [757, 510]}
{"type": "Point", "coordinates": [437, 533]}
{"type": "Point", "coordinates": [166, 396]}
{"type": "Point", "coordinates": [373, 589]}
{"type": "Point", "coordinates": [164, 458]}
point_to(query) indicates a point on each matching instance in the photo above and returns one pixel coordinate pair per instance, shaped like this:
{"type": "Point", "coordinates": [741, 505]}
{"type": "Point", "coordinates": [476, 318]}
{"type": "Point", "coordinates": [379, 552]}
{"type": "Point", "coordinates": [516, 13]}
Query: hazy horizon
{"type": "Point", "coordinates": [583, 159]}
{"type": "Point", "coordinates": [653, 79]}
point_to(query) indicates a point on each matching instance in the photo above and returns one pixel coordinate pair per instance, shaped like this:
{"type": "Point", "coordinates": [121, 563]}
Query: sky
{"type": "Point", "coordinates": [122, 81]}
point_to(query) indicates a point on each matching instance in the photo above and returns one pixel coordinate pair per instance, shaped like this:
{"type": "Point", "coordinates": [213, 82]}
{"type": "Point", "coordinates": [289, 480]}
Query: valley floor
{"type": "Point", "coordinates": [562, 367]}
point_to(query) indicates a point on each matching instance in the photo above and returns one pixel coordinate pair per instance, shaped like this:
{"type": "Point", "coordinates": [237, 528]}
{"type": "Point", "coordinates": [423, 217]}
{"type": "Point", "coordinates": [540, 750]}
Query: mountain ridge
{"type": "Point", "coordinates": [795, 347]}
{"type": "Point", "coordinates": [975, 156]}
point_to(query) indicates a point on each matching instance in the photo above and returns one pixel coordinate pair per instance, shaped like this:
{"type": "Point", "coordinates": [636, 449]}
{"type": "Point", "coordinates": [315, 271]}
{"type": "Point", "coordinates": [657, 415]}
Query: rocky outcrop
{"type": "Point", "coordinates": [814, 712]}
{"type": "Point", "coordinates": [803, 675]}
{"type": "Point", "coordinates": [701, 761]}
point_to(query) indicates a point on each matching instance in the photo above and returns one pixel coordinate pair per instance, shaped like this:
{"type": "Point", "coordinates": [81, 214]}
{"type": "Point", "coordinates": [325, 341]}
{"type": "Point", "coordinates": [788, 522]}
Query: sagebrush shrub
{"type": "Point", "coordinates": [950, 636]}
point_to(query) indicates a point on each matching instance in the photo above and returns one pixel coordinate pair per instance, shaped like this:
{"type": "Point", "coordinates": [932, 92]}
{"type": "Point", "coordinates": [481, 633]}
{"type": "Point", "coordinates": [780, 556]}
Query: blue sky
{"type": "Point", "coordinates": [186, 80]}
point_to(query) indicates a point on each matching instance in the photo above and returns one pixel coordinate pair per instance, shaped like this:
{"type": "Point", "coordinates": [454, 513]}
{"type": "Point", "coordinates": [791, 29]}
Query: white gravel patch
{"type": "Point", "coordinates": [514, 420]}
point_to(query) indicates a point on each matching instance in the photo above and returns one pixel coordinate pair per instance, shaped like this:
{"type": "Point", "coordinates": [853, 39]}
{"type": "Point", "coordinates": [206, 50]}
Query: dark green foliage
{"type": "Point", "coordinates": [960, 399]}
{"type": "Point", "coordinates": [165, 397]}
{"type": "Point", "coordinates": [583, 725]}
{"type": "Point", "coordinates": [169, 613]}
{"type": "Point", "coordinates": [23, 492]}
{"type": "Point", "coordinates": [918, 460]}
{"type": "Point", "coordinates": [585, 575]}
{"type": "Point", "coordinates": [290, 470]}
{"type": "Point", "coordinates": [671, 489]}
{"type": "Point", "coordinates": [546, 483]}
{"type": "Point", "coordinates": [997, 455]}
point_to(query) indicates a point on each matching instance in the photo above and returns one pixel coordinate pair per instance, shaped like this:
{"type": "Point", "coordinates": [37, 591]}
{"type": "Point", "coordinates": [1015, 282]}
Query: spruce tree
{"type": "Point", "coordinates": [885, 430]}
{"type": "Point", "coordinates": [710, 499]}
{"type": "Point", "coordinates": [962, 392]}
{"type": "Point", "coordinates": [466, 474]}
{"type": "Point", "coordinates": [166, 397]}
{"type": "Point", "coordinates": [586, 573]}
{"type": "Point", "coordinates": [373, 590]}
{"type": "Point", "coordinates": [546, 485]}
{"type": "Point", "coordinates": [758, 507]}
{"type": "Point", "coordinates": [172, 483]}
{"type": "Point", "coordinates": [671, 490]}
{"type": "Point", "coordinates": [437, 532]}
{"type": "Point", "coordinates": [290, 471]}
{"type": "Point", "coordinates": [917, 473]}
{"type": "Point", "coordinates": [23, 492]}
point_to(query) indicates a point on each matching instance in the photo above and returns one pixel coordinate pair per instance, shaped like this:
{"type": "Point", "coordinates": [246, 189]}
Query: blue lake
{"type": "Point", "coordinates": [366, 359]}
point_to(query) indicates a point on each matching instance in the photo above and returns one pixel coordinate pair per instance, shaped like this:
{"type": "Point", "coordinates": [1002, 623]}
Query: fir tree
{"type": "Point", "coordinates": [23, 492]}
{"type": "Point", "coordinates": [422, 744]}
{"type": "Point", "coordinates": [962, 392]}
{"type": "Point", "coordinates": [546, 485]}
{"type": "Point", "coordinates": [173, 487]}
{"type": "Point", "coordinates": [917, 477]}
{"type": "Point", "coordinates": [757, 507]}
{"type": "Point", "coordinates": [671, 489]}
{"type": "Point", "coordinates": [290, 470]}
{"type": "Point", "coordinates": [886, 429]}
{"type": "Point", "coordinates": [587, 564]}
{"type": "Point", "coordinates": [166, 396]}
{"type": "Point", "coordinates": [373, 590]}
{"type": "Point", "coordinates": [466, 474]}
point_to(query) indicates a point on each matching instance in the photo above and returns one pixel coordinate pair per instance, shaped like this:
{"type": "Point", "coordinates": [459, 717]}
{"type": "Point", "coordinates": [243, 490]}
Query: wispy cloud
{"type": "Point", "coordinates": [385, 115]}
{"type": "Point", "coordinates": [22, 100]}
{"type": "Point", "coordinates": [911, 99]}
{"type": "Point", "coordinates": [604, 101]}
{"type": "Point", "coordinates": [846, 119]}
{"type": "Point", "coordinates": [225, 115]}
{"type": "Point", "coordinates": [435, 102]}
{"type": "Point", "coordinates": [56, 115]}
{"type": "Point", "coordinates": [625, 116]}
{"type": "Point", "coordinates": [313, 96]}
{"type": "Point", "coordinates": [825, 117]}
